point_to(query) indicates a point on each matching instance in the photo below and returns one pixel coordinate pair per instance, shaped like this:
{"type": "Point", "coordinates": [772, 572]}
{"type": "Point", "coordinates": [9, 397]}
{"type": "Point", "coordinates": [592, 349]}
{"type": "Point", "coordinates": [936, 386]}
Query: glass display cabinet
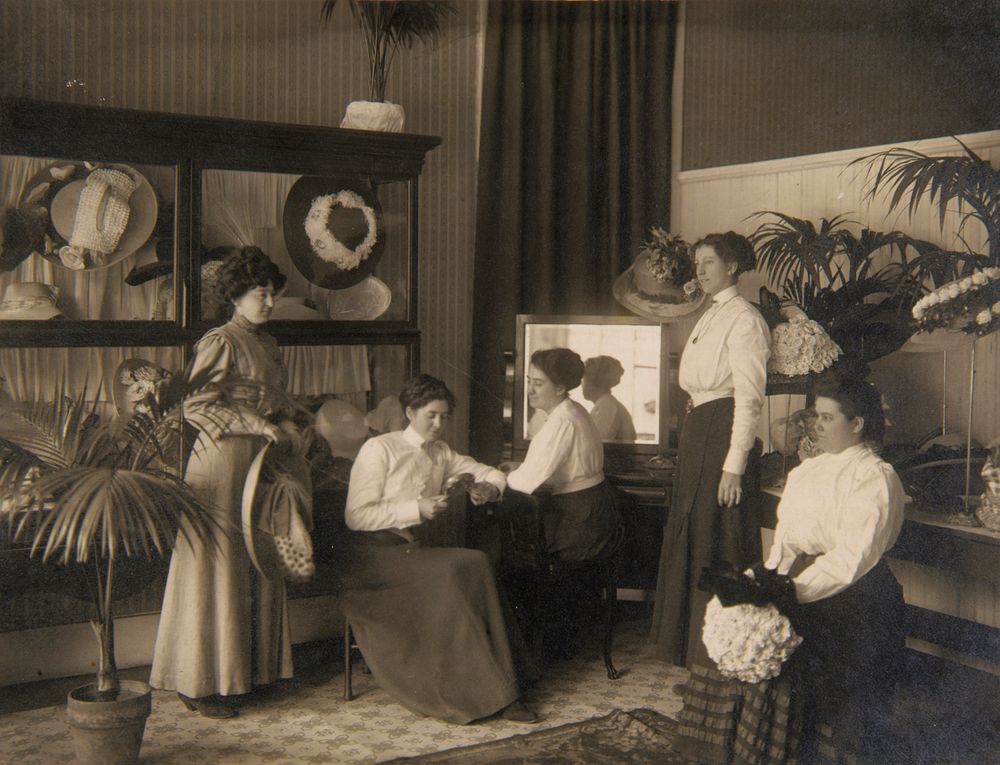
{"type": "Point", "coordinates": [115, 222]}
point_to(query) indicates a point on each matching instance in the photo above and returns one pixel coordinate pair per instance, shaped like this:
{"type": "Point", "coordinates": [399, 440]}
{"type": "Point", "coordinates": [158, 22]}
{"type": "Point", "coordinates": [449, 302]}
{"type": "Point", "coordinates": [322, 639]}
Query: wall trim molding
{"type": "Point", "coordinates": [933, 146]}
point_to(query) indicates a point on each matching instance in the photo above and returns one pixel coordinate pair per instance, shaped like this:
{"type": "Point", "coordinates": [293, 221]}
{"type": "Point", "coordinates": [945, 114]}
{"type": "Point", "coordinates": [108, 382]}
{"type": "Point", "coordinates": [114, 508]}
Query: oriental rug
{"type": "Point", "coordinates": [635, 736]}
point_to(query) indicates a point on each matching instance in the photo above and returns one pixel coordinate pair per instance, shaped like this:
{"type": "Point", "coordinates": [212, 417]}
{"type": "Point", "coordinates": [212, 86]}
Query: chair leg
{"type": "Point", "coordinates": [348, 693]}
{"type": "Point", "coordinates": [611, 594]}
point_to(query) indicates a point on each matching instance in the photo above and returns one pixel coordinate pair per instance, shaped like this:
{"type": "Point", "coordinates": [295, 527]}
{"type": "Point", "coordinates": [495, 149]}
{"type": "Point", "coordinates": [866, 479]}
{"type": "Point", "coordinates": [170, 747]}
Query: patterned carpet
{"type": "Point", "coordinates": [307, 721]}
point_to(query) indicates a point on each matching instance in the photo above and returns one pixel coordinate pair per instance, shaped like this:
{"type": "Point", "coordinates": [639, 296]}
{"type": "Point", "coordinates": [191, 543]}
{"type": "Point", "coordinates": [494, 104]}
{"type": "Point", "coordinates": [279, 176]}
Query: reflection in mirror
{"type": "Point", "coordinates": [364, 225]}
{"type": "Point", "coordinates": [623, 387]}
{"type": "Point", "coordinates": [76, 234]}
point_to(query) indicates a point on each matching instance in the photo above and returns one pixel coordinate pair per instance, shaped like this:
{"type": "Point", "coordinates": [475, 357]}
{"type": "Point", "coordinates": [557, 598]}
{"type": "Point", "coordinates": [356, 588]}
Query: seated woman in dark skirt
{"type": "Point", "coordinates": [428, 620]}
{"type": "Point", "coordinates": [839, 513]}
{"type": "Point", "coordinates": [566, 457]}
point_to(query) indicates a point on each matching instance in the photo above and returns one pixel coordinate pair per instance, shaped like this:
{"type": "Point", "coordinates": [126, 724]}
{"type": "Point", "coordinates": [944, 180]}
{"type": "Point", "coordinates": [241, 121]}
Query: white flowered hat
{"type": "Point", "coordinates": [333, 230]}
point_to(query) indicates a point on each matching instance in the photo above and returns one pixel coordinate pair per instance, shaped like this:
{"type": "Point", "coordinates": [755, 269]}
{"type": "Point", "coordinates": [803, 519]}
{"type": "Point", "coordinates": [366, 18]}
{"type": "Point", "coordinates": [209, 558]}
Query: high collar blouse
{"type": "Point", "coordinates": [395, 470]}
{"type": "Point", "coordinates": [566, 454]}
{"type": "Point", "coordinates": [726, 357]}
{"type": "Point", "coordinates": [847, 510]}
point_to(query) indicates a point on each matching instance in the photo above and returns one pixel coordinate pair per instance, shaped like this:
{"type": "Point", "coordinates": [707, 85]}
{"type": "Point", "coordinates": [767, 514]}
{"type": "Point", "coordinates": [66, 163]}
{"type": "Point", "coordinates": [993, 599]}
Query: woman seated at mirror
{"type": "Point", "coordinates": [579, 514]}
{"type": "Point", "coordinates": [839, 513]}
{"type": "Point", "coordinates": [429, 620]}
{"type": "Point", "coordinates": [613, 420]}
{"type": "Point", "coordinates": [224, 626]}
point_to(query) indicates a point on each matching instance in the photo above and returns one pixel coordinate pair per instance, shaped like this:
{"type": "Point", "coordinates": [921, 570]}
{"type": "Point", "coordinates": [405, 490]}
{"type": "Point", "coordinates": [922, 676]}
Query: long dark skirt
{"type": "Point", "coordinates": [430, 624]}
{"type": "Point", "coordinates": [700, 533]}
{"type": "Point", "coordinates": [848, 666]}
{"type": "Point", "coordinates": [578, 525]}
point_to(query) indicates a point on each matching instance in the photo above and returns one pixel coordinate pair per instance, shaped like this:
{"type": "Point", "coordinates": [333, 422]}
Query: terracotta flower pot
{"type": "Point", "coordinates": [108, 732]}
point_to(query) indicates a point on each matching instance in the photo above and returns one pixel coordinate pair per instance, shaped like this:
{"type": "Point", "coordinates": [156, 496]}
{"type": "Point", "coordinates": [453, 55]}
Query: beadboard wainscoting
{"type": "Point", "coordinates": [916, 385]}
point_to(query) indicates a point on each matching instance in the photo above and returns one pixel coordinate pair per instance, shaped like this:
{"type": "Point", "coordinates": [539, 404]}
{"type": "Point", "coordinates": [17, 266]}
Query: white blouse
{"type": "Point", "coordinates": [565, 454]}
{"type": "Point", "coordinates": [726, 356]}
{"type": "Point", "coordinates": [394, 470]}
{"type": "Point", "coordinates": [613, 420]}
{"type": "Point", "coordinates": [844, 508]}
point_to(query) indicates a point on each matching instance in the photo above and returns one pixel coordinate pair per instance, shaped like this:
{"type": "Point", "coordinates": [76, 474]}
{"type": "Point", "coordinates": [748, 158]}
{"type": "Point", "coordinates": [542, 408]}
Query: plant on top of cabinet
{"type": "Point", "coordinates": [387, 26]}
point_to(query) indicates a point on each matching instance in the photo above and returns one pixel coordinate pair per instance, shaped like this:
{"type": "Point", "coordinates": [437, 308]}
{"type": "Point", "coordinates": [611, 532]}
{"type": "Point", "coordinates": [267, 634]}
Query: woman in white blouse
{"type": "Point", "coordinates": [613, 420]}
{"type": "Point", "coordinates": [429, 620]}
{"type": "Point", "coordinates": [839, 513]}
{"type": "Point", "coordinates": [713, 513]}
{"type": "Point", "coordinates": [566, 456]}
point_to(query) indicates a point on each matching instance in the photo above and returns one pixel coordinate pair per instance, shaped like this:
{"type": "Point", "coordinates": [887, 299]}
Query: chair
{"type": "Point", "coordinates": [350, 645]}
{"type": "Point", "coordinates": [605, 569]}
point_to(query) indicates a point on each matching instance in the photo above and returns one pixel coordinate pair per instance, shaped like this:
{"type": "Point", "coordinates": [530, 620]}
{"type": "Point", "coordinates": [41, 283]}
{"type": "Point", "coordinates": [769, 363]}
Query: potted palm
{"type": "Point", "coordinates": [84, 488]}
{"type": "Point", "coordinates": [387, 26]}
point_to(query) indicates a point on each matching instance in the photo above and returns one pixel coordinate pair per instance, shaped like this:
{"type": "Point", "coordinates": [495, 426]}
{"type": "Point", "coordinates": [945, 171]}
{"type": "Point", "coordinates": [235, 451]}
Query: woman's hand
{"type": "Point", "coordinates": [431, 506]}
{"type": "Point", "coordinates": [482, 492]}
{"type": "Point", "coordinates": [730, 493]}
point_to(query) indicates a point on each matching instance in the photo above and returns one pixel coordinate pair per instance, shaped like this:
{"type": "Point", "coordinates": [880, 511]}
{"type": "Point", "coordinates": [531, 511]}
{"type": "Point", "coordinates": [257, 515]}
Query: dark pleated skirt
{"type": "Point", "coordinates": [430, 624]}
{"type": "Point", "coordinates": [578, 525]}
{"type": "Point", "coordinates": [699, 533]}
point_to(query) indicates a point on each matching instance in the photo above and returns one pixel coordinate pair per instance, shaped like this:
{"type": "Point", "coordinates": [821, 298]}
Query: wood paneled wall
{"type": "Point", "coordinates": [917, 385]}
{"type": "Point", "coordinates": [276, 60]}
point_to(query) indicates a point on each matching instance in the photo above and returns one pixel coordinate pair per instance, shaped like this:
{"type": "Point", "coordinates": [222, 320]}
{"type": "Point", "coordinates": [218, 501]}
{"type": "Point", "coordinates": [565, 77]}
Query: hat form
{"type": "Point", "coordinates": [637, 290]}
{"type": "Point", "coordinates": [333, 230]}
{"type": "Point", "coordinates": [30, 301]}
{"type": "Point", "coordinates": [342, 426]}
{"type": "Point", "coordinates": [366, 300]}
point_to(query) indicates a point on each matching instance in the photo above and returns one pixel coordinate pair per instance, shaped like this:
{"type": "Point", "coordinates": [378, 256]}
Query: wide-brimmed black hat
{"type": "Point", "coordinates": [333, 230]}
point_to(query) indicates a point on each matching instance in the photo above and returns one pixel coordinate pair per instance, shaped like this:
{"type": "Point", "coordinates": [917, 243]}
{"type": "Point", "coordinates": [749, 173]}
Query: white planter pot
{"type": "Point", "coordinates": [374, 115]}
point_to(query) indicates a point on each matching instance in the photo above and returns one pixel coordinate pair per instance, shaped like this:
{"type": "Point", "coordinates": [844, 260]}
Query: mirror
{"type": "Point", "coordinates": [626, 379]}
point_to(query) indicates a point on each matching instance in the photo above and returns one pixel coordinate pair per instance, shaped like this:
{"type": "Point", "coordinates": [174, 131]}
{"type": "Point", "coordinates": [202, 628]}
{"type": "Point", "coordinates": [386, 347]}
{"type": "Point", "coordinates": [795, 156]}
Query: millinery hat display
{"type": "Point", "coordinates": [32, 301]}
{"type": "Point", "coordinates": [135, 381]}
{"type": "Point", "coordinates": [366, 300]}
{"type": "Point", "coordinates": [289, 308]}
{"type": "Point", "coordinates": [333, 230]}
{"type": "Point", "coordinates": [660, 283]}
{"type": "Point", "coordinates": [98, 214]}
{"type": "Point", "coordinates": [342, 426]}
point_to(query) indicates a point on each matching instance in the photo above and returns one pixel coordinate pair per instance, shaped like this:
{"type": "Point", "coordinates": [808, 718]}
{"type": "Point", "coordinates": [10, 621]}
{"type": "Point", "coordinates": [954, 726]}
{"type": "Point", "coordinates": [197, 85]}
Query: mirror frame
{"type": "Point", "coordinates": [520, 443]}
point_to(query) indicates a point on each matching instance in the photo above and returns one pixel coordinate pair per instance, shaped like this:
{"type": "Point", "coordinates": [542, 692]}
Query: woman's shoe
{"type": "Point", "coordinates": [208, 706]}
{"type": "Point", "coordinates": [516, 711]}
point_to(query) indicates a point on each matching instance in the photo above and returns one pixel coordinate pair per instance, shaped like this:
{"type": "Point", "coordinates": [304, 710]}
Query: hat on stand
{"type": "Point", "coordinates": [333, 230]}
{"type": "Point", "coordinates": [98, 214]}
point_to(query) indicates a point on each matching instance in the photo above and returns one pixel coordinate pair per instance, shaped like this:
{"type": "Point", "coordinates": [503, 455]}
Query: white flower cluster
{"type": "Point", "coordinates": [974, 298]}
{"type": "Point", "coordinates": [801, 346]}
{"type": "Point", "coordinates": [322, 240]}
{"type": "Point", "coordinates": [749, 643]}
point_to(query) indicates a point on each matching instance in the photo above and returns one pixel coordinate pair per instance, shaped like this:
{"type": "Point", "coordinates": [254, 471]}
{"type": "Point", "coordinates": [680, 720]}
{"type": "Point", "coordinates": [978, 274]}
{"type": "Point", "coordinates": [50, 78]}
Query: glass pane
{"type": "Point", "coordinates": [86, 241]}
{"type": "Point", "coordinates": [342, 243]}
{"type": "Point", "coordinates": [40, 595]}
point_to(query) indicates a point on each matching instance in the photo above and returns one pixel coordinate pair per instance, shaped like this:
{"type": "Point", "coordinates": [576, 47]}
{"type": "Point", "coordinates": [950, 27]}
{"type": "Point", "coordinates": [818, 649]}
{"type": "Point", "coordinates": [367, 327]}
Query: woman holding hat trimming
{"type": "Point", "coordinates": [713, 518]}
{"type": "Point", "coordinates": [429, 620]}
{"type": "Point", "coordinates": [223, 625]}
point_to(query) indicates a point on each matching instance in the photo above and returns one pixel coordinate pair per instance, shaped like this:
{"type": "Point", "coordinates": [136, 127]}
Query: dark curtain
{"type": "Point", "coordinates": [574, 167]}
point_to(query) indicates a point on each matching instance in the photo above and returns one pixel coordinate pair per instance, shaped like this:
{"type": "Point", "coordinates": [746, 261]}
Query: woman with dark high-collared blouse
{"type": "Point", "coordinates": [713, 514]}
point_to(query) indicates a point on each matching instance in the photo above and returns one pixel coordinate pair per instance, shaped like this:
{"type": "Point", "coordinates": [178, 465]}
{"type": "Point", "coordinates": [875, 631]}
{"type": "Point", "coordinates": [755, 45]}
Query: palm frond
{"type": "Point", "coordinates": [910, 177]}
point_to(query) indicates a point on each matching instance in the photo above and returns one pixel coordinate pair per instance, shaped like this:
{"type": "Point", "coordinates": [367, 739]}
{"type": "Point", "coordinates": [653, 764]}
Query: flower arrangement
{"type": "Point", "coordinates": [801, 346]}
{"type": "Point", "coordinates": [970, 304]}
{"type": "Point", "coordinates": [748, 642]}
{"type": "Point", "coordinates": [669, 261]}
{"type": "Point", "coordinates": [141, 383]}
